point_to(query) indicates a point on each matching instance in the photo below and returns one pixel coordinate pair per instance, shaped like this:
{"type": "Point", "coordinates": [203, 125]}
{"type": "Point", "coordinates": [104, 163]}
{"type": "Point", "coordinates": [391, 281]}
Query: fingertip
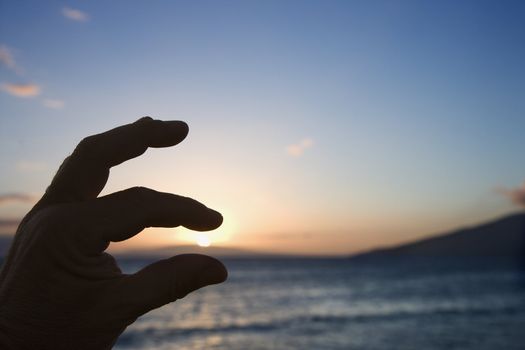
{"type": "Point", "coordinates": [185, 128]}
{"type": "Point", "coordinates": [214, 273]}
{"type": "Point", "coordinates": [204, 219]}
{"type": "Point", "coordinates": [178, 129]}
{"type": "Point", "coordinates": [217, 273]}
{"type": "Point", "coordinates": [216, 218]}
{"type": "Point", "coordinates": [212, 220]}
{"type": "Point", "coordinates": [198, 271]}
{"type": "Point", "coordinates": [167, 133]}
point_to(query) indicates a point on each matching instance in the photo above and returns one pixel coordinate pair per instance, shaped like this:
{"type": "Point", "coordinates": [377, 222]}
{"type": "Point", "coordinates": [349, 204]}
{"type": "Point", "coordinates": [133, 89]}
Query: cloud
{"type": "Point", "coordinates": [297, 149]}
{"type": "Point", "coordinates": [516, 195]}
{"type": "Point", "coordinates": [75, 15]}
{"type": "Point", "coordinates": [54, 104]}
{"type": "Point", "coordinates": [21, 90]}
{"type": "Point", "coordinates": [9, 198]}
{"type": "Point", "coordinates": [6, 57]}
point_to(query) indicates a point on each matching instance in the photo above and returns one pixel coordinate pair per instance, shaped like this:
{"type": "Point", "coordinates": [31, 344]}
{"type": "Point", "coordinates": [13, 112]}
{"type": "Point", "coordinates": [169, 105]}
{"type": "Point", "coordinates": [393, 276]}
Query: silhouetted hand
{"type": "Point", "coordinates": [58, 288]}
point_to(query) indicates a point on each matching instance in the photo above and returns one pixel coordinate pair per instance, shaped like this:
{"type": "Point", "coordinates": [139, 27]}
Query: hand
{"type": "Point", "coordinates": [58, 288]}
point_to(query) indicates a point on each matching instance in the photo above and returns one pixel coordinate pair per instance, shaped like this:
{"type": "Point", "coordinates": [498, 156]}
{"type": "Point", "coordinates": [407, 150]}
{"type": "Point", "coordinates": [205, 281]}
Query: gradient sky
{"type": "Point", "coordinates": [319, 127]}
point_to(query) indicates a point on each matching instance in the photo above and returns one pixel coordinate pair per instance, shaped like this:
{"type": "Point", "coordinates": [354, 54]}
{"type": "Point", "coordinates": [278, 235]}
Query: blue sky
{"type": "Point", "coordinates": [410, 113]}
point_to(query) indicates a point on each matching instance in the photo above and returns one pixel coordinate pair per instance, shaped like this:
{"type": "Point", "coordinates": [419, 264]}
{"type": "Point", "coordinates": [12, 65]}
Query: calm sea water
{"type": "Point", "coordinates": [343, 304]}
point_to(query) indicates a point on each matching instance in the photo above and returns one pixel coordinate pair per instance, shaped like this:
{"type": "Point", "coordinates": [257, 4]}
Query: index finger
{"type": "Point", "coordinates": [83, 174]}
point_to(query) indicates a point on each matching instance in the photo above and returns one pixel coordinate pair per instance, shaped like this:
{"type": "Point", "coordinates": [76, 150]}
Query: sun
{"type": "Point", "coordinates": [202, 240]}
{"type": "Point", "coordinates": [205, 239]}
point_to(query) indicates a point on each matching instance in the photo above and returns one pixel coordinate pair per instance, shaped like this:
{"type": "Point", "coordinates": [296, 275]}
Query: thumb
{"type": "Point", "coordinates": [166, 281]}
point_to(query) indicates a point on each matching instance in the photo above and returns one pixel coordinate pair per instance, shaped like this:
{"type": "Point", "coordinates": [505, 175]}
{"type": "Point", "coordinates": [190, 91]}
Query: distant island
{"type": "Point", "coordinates": [502, 237]}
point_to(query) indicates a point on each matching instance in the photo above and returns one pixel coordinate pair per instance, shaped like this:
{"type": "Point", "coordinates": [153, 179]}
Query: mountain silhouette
{"type": "Point", "coordinates": [504, 237]}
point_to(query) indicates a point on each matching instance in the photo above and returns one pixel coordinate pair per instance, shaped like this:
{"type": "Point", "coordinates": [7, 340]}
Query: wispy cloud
{"type": "Point", "coordinates": [297, 149]}
{"type": "Point", "coordinates": [21, 90]}
{"type": "Point", "coordinates": [516, 195]}
{"type": "Point", "coordinates": [7, 58]}
{"type": "Point", "coordinates": [54, 104]}
{"type": "Point", "coordinates": [9, 198]}
{"type": "Point", "coordinates": [75, 15]}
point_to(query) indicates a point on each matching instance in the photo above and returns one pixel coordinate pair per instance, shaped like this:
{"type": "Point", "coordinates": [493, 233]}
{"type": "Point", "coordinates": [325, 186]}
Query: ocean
{"type": "Point", "coordinates": [418, 303]}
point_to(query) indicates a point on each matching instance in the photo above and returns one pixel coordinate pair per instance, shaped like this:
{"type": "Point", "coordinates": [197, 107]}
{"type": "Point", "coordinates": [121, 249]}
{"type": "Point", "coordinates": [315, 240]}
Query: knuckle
{"type": "Point", "coordinates": [87, 146]}
{"type": "Point", "coordinates": [140, 193]}
{"type": "Point", "coordinates": [48, 218]}
{"type": "Point", "coordinates": [138, 197]}
{"type": "Point", "coordinates": [189, 202]}
{"type": "Point", "coordinates": [87, 142]}
{"type": "Point", "coordinates": [49, 225]}
{"type": "Point", "coordinates": [145, 119]}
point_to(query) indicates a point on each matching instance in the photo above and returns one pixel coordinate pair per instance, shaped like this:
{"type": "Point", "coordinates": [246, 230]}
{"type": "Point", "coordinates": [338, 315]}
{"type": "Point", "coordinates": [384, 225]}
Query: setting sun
{"type": "Point", "coordinates": [223, 234]}
{"type": "Point", "coordinates": [203, 240]}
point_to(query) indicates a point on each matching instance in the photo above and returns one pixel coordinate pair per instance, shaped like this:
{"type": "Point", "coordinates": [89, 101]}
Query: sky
{"type": "Point", "coordinates": [316, 127]}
